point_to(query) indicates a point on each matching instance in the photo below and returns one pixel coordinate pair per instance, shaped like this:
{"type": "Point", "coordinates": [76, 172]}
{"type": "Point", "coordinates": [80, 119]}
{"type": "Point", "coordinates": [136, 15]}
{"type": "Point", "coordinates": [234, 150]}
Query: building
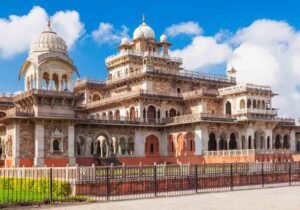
{"type": "Point", "coordinates": [149, 110]}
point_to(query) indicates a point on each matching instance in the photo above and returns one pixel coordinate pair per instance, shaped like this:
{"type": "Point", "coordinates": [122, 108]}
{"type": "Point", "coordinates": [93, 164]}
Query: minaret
{"type": "Point", "coordinates": [231, 74]}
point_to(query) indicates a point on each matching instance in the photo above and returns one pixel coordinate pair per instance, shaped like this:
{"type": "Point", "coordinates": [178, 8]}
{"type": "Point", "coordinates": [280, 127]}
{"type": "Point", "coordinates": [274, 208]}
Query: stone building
{"type": "Point", "coordinates": [149, 110]}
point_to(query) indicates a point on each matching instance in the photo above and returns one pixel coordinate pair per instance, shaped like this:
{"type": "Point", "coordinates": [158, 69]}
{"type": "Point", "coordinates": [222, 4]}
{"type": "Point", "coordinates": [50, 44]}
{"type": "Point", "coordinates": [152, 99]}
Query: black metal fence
{"type": "Point", "coordinates": [73, 184]}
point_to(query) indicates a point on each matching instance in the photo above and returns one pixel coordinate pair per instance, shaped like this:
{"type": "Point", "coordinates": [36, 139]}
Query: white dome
{"type": "Point", "coordinates": [125, 40]}
{"type": "Point", "coordinates": [163, 38]}
{"type": "Point", "coordinates": [143, 31]}
{"type": "Point", "coordinates": [48, 41]}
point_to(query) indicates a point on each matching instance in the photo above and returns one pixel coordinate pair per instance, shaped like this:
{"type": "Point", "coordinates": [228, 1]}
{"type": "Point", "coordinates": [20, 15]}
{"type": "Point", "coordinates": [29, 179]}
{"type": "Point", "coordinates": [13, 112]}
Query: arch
{"type": "Point", "coordinates": [80, 145]}
{"type": "Point", "coordinates": [277, 144]}
{"type": "Point", "coordinates": [254, 104]}
{"type": "Point", "coordinates": [242, 104]}
{"type": "Point", "coordinates": [56, 145]}
{"type": "Point", "coordinates": [178, 90]}
{"type": "Point", "coordinates": [122, 146]}
{"type": "Point", "coordinates": [132, 113]}
{"type": "Point", "coordinates": [102, 139]}
{"type": "Point", "coordinates": [110, 115]}
{"type": "Point", "coordinates": [212, 143]}
{"type": "Point", "coordinates": [259, 139]}
{"type": "Point", "coordinates": [249, 142]}
{"type": "Point", "coordinates": [244, 145]}
{"type": "Point", "coordinates": [171, 146]}
{"type": "Point", "coordinates": [286, 142]}
{"type": "Point", "coordinates": [228, 108]}
{"type": "Point", "coordinates": [258, 104]}
{"type": "Point", "coordinates": [232, 142]}
{"type": "Point", "coordinates": [190, 142]}
{"type": "Point", "coordinates": [130, 146]}
{"type": "Point", "coordinates": [222, 142]}
{"type": "Point", "coordinates": [152, 146]}
{"type": "Point", "coordinates": [151, 113]}
{"type": "Point", "coordinates": [249, 104]}
{"type": "Point", "coordinates": [97, 116]}
{"type": "Point", "coordinates": [103, 116]}
{"type": "Point", "coordinates": [95, 97]}
{"type": "Point", "coordinates": [117, 114]}
{"type": "Point", "coordinates": [172, 112]}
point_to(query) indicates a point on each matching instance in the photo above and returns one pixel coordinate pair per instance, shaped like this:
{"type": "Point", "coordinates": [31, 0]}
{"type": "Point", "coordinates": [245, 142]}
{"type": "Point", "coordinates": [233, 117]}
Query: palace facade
{"type": "Point", "coordinates": [149, 110]}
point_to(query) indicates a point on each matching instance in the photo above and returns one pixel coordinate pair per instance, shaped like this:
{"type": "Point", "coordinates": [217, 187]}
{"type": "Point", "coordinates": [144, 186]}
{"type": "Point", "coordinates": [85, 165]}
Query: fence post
{"type": "Point", "coordinates": [51, 183]}
{"type": "Point", "coordinates": [262, 174]}
{"type": "Point", "coordinates": [290, 173]}
{"type": "Point", "coordinates": [231, 176]}
{"type": "Point", "coordinates": [196, 178]}
{"type": "Point", "coordinates": [107, 183]}
{"type": "Point", "coordinates": [155, 180]}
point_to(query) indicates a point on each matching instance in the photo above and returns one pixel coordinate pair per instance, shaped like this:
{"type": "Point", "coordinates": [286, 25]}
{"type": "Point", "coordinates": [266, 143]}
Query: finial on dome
{"type": "Point", "coordinates": [49, 25]}
{"type": "Point", "coordinates": [143, 18]}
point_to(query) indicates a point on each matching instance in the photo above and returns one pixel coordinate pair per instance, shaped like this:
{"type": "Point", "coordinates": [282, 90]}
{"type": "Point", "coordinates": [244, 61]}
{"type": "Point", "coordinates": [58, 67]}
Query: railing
{"type": "Point", "coordinates": [257, 111]}
{"type": "Point", "coordinates": [44, 92]}
{"type": "Point", "coordinates": [92, 184]}
{"type": "Point", "coordinates": [247, 152]}
{"type": "Point", "coordinates": [141, 54]}
{"type": "Point", "coordinates": [289, 121]}
{"type": "Point", "coordinates": [87, 80]}
{"type": "Point", "coordinates": [17, 112]}
{"type": "Point", "coordinates": [242, 88]}
{"type": "Point", "coordinates": [199, 117]}
{"type": "Point", "coordinates": [199, 93]}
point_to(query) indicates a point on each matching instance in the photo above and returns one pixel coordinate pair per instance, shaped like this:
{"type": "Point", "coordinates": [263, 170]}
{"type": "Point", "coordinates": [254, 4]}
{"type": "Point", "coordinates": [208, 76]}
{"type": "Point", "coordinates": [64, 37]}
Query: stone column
{"type": "Point", "coordinates": [71, 142]}
{"type": "Point", "coordinates": [39, 145]}
{"type": "Point", "coordinates": [16, 145]}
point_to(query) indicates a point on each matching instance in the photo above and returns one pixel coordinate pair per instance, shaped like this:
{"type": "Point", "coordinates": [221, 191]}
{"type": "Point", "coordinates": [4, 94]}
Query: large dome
{"type": "Point", "coordinates": [143, 31]}
{"type": "Point", "coordinates": [48, 41]}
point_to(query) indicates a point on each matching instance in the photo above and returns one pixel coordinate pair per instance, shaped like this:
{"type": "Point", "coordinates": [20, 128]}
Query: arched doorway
{"type": "Point", "coordinates": [117, 114]}
{"type": "Point", "coordinates": [180, 145]}
{"type": "Point", "coordinates": [132, 113]}
{"type": "Point", "coordinates": [190, 147]}
{"type": "Point", "coordinates": [286, 143]}
{"type": "Point", "coordinates": [277, 142]}
{"type": "Point", "coordinates": [228, 108]}
{"type": "Point", "coordinates": [212, 143]}
{"type": "Point", "coordinates": [222, 142]}
{"type": "Point", "coordinates": [152, 146]}
{"type": "Point", "coordinates": [151, 114]}
{"type": "Point", "coordinates": [232, 142]}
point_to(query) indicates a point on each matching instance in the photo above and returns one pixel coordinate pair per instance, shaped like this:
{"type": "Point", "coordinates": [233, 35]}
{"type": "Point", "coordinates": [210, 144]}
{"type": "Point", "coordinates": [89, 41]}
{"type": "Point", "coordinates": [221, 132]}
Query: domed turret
{"type": "Point", "coordinates": [48, 41]}
{"type": "Point", "coordinates": [143, 31]}
{"type": "Point", "coordinates": [125, 41]}
{"type": "Point", "coordinates": [163, 38]}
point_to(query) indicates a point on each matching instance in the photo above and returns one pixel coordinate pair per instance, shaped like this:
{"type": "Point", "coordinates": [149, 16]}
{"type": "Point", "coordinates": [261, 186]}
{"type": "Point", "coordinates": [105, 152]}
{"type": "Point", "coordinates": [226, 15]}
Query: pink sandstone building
{"type": "Point", "coordinates": [149, 110]}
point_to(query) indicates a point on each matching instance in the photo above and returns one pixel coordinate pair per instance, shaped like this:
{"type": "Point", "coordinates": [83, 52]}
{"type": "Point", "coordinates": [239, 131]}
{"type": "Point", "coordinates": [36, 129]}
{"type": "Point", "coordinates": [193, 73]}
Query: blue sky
{"type": "Point", "coordinates": [232, 19]}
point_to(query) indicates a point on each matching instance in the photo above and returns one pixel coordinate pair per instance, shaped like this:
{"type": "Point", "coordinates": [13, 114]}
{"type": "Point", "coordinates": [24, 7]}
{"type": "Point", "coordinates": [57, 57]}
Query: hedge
{"type": "Point", "coordinates": [59, 188]}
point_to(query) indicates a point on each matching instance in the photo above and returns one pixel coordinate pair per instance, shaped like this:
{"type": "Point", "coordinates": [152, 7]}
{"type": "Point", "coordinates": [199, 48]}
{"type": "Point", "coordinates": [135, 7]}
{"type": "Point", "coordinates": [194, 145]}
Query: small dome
{"type": "Point", "coordinates": [48, 41]}
{"type": "Point", "coordinates": [163, 38]}
{"type": "Point", "coordinates": [144, 31]}
{"type": "Point", "coordinates": [125, 41]}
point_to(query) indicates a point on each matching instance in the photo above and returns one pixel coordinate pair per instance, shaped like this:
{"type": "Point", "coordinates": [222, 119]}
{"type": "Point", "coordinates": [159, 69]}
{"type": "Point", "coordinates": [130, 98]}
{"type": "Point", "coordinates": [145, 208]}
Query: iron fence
{"type": "Point", "coordinates": [72, 184]}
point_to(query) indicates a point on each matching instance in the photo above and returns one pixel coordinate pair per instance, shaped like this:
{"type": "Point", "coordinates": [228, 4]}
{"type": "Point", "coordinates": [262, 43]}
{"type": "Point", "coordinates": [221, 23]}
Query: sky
{"type": "Point", "coordinates": [261, 39]}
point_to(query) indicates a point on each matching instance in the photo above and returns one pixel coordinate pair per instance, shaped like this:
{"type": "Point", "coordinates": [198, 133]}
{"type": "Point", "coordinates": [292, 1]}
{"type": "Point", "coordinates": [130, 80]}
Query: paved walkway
{"type": "Point", "coordinates": [283, 198]}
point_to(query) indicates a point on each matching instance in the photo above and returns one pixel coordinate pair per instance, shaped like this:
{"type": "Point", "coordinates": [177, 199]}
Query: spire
{"type": "Point", "coordinates": [48, 28]}
{"type": "Point", "coordinates": [143, 18]}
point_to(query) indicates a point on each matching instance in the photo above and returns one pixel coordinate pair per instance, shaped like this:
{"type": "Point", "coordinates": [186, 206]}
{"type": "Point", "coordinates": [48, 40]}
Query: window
{"type": "Point", "coordinates": [178, 90]}
{"type": "Point", "coordinates": [56, 145]}
{"type": "Point", "coordinates": [228, 108]}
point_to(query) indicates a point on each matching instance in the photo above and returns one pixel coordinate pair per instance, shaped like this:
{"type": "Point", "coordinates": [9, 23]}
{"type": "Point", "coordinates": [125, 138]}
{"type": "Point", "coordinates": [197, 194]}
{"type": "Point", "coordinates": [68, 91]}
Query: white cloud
{"type": "Point", "coordinates": [203, 52]}
{"type": "Point", "coordinates": [268, 52]}
{"type": "Point", "coordinates": [106, 33]}
{"type": "Point", "coordinates": [16, 32]}
{"type": "Point", "coordinates": [188, 28]}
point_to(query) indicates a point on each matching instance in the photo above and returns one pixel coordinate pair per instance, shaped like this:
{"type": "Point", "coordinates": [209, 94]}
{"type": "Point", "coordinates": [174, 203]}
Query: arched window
{"type": "Point", "coordinates": [122, 146]}
{"type": "Point", "coordinates": [249, 104]}
{"type": "Point", "coordinates": [222, 142]}
{"type": "Point", "coordinates": [286, 143]}
{"type": "Point", "coordinates": [96, 97]}
{"type": "Point", "coordinates": [232, 142]}
{"type": "Point", "coordinates": [212, 143]}
{"type": "Point", "coordinates": [132, 113]}
{"type": "Point", "coordinates": [172, 112]}
{"type": "Point", "coordinates": [130, 148]}
{"type": "Point", "coordinates": [110, 115]}
{"type": "Point", "coordinates": [152, 146]}
{"type": "Point", "coordinates": [178, 90]}
{"type": "Point", "coordinates": [103, 116]}
{"type": "Point", "coordinates": [144, 114]}
{"type": "Point", "coordinates": [56, 145]}
{"type": "Point", "coordinates": [171, 148]}
{"type": "Point", "coordinates": [277, 142]}
{"type": "Point", "coordinates": [167, 114]}
{"type": "Point", "coordinates": [228, 108]}
{"type": "Point", "coordinates": [158, 114]}
{"type": "Point", "coordinates": [190, 142]}
{"type": "Point", "coordinates": [151, 114]}
{"type": "Point", "coordinates": [80, 146]}
{"type": "Point", "coordinates": [249, 142]}
{"type": "Point", "coordinates": [242, 104]}
{"type": "Point", "coordinates": [97, 116]}
{"type": "Point", "coordinates": [254, 104]}
{"type": "Point", "coordinates": [180, 144]}
{"type": "Point", "coordinates": [117, 114]}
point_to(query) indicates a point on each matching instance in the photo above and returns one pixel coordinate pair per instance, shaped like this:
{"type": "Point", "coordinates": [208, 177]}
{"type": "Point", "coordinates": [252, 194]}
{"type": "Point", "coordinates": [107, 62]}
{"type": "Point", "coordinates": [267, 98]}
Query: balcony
{"type": "Point", "coordinates": [243, 88]}
{"type": "Point", "coordinates": [86, 80]}
{"type": "Point", "coordinates": [42, 92]}
{"type": "Point", "coordinates": [141, 54]}
{"type": "Point", "coordinates": [199, 117]}
{"type": "Point", "coordinates": [257, 111]}
{"type": "Point", "coordinates": [247, 152]}
{"type": "Point", "coordinates": [17, 112]}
